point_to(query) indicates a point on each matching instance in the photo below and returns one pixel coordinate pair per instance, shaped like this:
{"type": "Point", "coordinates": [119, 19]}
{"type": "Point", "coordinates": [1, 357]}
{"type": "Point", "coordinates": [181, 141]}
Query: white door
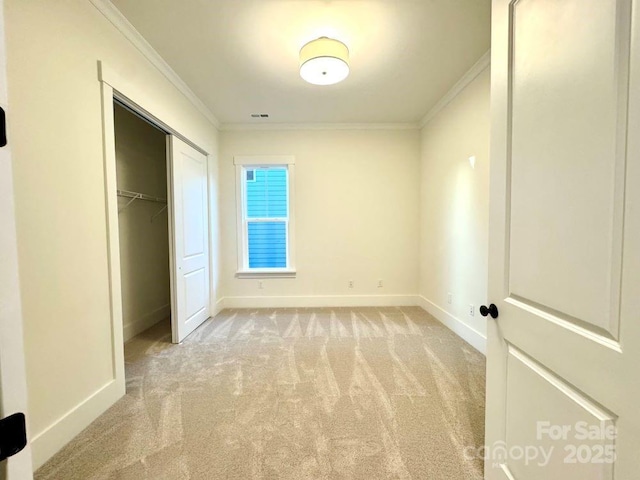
{"type": "Point", "coordinates": [563, 378]}
{"type": "Point", "coordinates": [189, 238]}
{"type": "Point", "coordinates": [13, 386]}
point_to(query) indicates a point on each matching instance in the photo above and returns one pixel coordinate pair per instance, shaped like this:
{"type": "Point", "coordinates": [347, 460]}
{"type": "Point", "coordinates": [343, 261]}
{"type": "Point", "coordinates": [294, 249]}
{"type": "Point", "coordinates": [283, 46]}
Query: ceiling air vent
{"type": "Point", "coordinates": [259, 115]}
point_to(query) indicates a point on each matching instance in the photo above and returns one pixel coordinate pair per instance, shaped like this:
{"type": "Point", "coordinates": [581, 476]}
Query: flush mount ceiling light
{"type": "Point", "coordinates": [324, 61]}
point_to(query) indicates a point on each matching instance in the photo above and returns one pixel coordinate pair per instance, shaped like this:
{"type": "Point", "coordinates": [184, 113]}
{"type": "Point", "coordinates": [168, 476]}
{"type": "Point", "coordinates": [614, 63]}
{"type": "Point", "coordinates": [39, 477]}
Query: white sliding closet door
{"type": "Point", "coordinates": [189, 238]}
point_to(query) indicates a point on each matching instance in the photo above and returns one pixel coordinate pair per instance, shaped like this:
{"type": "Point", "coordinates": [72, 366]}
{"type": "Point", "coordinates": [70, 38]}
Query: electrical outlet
{"type": "Point", "coordinates": [449, 298]}
{"type": "Point", "coordinates": [260, 284]}
{"type": "Point", "coordinates": [471, 310]}
{"type": "Point", "coordinates": [380, 284]}
{"type": "Point", "coordinates": [350, 283]}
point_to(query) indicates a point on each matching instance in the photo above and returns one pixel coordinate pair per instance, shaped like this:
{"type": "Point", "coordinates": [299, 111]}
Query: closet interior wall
{"type": "Point", "coordinates": [143, 223]}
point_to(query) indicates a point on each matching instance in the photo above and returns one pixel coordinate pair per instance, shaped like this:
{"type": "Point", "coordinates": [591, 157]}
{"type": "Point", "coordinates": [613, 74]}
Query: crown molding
{"type": "Point", "coordinates": [243, 127]}
{"type": "Point", "coordinates": [119, 21]}
{"type": "Point", "coordinates": [459, 86]}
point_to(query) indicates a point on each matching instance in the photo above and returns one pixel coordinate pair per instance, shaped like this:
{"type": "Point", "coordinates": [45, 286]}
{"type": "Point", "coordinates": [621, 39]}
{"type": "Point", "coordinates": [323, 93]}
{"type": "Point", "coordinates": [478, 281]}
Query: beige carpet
{"type": "Point", "coordinates": [366, 393]}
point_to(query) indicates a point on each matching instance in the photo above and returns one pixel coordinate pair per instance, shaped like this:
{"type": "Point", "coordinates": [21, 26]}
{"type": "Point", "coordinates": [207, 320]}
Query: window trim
{"type": "Point", "coordinates": [242, 163]}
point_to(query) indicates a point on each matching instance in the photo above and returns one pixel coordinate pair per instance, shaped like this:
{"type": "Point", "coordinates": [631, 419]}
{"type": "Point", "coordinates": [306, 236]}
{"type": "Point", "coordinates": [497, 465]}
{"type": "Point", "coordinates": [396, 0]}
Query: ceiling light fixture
{"type": "Point", "coordinates": [324, 61]}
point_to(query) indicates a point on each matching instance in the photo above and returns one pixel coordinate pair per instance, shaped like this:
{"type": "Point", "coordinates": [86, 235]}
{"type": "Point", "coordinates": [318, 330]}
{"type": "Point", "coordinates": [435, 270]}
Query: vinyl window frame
{"type": "Point", "coordinates": [248, 162]}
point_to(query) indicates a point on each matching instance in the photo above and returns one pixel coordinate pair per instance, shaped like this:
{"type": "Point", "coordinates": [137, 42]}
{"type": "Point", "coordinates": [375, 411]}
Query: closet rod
{"type": "Point", "coordinates": [140, 196]}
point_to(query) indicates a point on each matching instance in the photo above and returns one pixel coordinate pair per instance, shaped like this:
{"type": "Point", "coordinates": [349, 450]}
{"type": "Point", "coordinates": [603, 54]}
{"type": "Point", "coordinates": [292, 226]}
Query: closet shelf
{"type": "Point", "coordinates": [139, 196]}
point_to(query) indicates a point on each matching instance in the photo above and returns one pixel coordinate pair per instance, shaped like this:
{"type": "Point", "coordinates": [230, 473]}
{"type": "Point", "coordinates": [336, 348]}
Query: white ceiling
{"type": "Point", "coordinates": [241, 56]}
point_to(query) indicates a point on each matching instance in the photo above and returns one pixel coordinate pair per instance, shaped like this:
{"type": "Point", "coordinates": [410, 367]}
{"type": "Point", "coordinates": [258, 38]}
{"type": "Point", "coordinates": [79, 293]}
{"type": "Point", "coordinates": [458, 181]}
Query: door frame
{"type": "Point", "coordinates": [13, 376]}
{"type": "Point", "coordinates": [116, 88]}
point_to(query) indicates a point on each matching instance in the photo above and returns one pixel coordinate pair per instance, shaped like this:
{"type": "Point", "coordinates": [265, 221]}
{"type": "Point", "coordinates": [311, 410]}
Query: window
{"type": "Point", "coordinates": [265, 215]}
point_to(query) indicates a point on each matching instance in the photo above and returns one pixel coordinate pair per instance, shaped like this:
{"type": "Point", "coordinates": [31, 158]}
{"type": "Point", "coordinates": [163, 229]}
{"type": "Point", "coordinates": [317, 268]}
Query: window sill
{"type": "Point", "coordinates": [266, 273]}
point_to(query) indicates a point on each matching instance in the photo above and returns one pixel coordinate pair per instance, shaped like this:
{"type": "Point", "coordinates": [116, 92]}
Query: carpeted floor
{"type": "Point", "coordinates": [363, 393]}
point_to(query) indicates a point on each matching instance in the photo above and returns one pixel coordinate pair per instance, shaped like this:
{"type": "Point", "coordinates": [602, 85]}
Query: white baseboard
{"type": "Point", "coordinates": [218, 306]}
{"type": "Point", "coordinates": [464, 331]}
{"type": "Point", "coordinates": [320, 301]}
{"type": "Point", "coordinates": [48, 442]}
{"type": "Point", "coordinates": [132, 329]}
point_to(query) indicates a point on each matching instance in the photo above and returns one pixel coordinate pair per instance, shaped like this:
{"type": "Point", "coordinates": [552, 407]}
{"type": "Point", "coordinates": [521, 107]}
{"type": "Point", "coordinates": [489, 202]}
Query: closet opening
{"type": "Point", "coordinates": [142, 178]}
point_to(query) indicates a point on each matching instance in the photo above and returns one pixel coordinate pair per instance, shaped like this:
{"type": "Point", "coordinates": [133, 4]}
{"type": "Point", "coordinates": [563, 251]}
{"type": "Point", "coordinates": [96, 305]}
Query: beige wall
{"type": "Point", "coordinates": [53, 50]}
{"type": "Point", "coordinates": [455, 210]}
{"type": "Point", "coordinates": [141, 165]}
{"type": "Point", "coordinates": [356, 206]}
